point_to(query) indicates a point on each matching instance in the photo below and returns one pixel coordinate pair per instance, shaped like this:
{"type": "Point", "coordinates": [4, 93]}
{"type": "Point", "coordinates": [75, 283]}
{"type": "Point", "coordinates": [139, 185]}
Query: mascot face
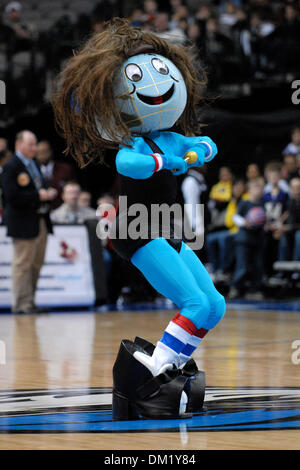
{"type": "Point", "coordinates": [150, 93]}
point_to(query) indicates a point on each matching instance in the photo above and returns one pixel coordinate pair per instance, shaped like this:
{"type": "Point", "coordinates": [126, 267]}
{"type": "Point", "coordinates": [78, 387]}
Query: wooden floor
{"type": "Point", "coordinates": [76, 351]}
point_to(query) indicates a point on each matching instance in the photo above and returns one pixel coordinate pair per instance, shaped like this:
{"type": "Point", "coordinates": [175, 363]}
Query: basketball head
{"type": "Point", "coordinates": [150, 93]}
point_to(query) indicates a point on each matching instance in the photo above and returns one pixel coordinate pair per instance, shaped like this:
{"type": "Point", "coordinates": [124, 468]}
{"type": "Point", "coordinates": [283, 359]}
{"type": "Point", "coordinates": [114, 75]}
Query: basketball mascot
{"type": "Point", "coordinates": [125, 89]}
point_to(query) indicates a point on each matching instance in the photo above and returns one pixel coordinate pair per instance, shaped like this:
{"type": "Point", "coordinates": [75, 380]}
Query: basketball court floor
{"type": "Point", "coordinates": [55, 381]}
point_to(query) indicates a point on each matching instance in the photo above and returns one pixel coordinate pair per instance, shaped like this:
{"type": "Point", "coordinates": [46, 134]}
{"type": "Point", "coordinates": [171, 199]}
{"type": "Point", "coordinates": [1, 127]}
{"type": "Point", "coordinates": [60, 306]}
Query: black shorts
{"type": "Point", "coordinates": [126, 247]}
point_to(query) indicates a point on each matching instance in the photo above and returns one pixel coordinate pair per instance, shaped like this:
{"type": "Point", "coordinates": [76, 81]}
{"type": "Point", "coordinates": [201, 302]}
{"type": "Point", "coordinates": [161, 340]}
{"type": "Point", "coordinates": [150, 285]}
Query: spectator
{"type": "Point", "coordinates": [287, 36]}
{"type": "Point", "coordinates": [120, 278]}
{"type": "Point", "coordinates": [194, 191]}
{"type": "Point", "coordinates": [219, 197]}
{"type": "Point", "coordinates": [175, 4]}
{"type": "Point", "coordinates": [106, 211]}
{"type": "Point", "coordinates": [217, 49]}
{"type": "Point", "coordinates": [137, 17]}
{"type": "Point", "coordinates": [254, 41]}
{"type": "Point", "coordinates": [26, 214]}
{"type": "Point", "coordinates": [24, 34]}
{"type": "Point", "coordinates": [97, 25]}
{"type": "Point", "coordinates": [163, 30]}
{"type": "Point", "coordinates": [275, 201]}
{"type": "Point", "coordinates": [85, 199]}
{"type": "Point", "coordinates": [219, 245]}
{"type": "Point", "coordinates": [288, 232]}
{"type": "Point", "coordinates": [275, 197]}
{"type": "Point", "coordinates": [228, 17]}
{"type": "Point", "coordinates": [221, 191]}
{"type": "Point", "coordinates": [151, 11]}
{"type": "Point", "coordinates": [70, 212]}
{"type": "Point", "coordinates": [274, 169]}
{"type": "Point", "coordinates": [106, 198]}
{"type": "Point", "coordinates": [5, 153]}
{"type": "Point", "coordinates": [217, 43]}
{"type": "Point", "coordinates": [276, 188]}
{"type": "Point", "coordinates": [290, 169]}
{"type": "Point", "coordinates": [239, 193]}
{"type": "Point", "coordinates": [107, 206]}
{"type": "Point", "coordinates": [298, 163]}
{"type": "Point", "coordinates": [55, 173]}
{"type": "Point", "coordinates": [7, 37]}
{"type": "Point", "coordinates": [180, 13]}
{"type": "Point", "coordinates": [293, 148]}
{"type": "Point", "coordinates": [203, 13]}
{"type": "Point", "coordinates": [4, 156]}
{"type": "Point", "coordinates": [240, 25]}
{"type": "Point", "coordinates": [252, 172]}
{"type": "Point", "coordinates": [194, 34]}
{"type": "Point", "coordinates": [249, 240]}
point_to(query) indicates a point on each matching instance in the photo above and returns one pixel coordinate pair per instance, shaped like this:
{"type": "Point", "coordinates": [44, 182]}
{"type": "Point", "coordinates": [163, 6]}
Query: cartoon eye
{"type": "Point", "coordinates": [160, 66]}
{"type": "Point", "coordinates": [133, 72]}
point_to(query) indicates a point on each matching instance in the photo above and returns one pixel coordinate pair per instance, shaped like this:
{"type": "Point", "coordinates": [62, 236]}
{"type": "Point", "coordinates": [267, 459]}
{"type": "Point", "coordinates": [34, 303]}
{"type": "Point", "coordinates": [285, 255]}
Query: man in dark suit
{"type": "Point", "coordinates": [26, 215]}
{"type": "Point", "coordinates": [5, 154]}
{"type": "Point", "coordinates": [55, 173]}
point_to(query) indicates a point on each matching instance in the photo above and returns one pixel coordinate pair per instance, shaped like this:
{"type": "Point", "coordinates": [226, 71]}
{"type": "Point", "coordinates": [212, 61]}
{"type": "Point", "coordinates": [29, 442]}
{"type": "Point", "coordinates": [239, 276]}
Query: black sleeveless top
{"type": "Point", "coordinates": [160, 188]}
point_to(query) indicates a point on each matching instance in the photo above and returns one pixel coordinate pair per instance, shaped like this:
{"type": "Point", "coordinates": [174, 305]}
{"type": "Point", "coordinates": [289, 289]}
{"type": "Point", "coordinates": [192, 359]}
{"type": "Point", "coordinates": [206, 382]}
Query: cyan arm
{"type": "Point", "coordinates": [134, 164]}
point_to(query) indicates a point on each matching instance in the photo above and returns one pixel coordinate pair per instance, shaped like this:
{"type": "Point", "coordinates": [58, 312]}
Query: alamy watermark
{"type": "Point", "coordinates": [296, 354]}
{"type": "Point", "coordinates": [2, 92]}
{"type": "Point", "coordinates": [138, 221]}
{"type": "Point", "coordinates": [296, 94]}
{"type": "Point", "coordinates": [2, 353]}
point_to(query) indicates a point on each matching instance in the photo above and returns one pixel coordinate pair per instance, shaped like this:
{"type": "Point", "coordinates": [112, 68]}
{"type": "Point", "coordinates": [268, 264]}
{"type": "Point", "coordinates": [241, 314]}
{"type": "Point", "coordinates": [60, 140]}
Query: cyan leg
{"type": "Point", "coordinates": [169, 274]}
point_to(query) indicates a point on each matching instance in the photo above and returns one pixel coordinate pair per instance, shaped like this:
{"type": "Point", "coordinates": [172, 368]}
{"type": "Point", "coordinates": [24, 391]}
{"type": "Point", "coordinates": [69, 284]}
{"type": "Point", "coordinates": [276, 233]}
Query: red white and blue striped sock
{"type": "Point", "coordinates": [192, 345]}
{"type": "Point", "coordinates": [178, 333]}
{"type": "Point", "coordinates": [178, 341]}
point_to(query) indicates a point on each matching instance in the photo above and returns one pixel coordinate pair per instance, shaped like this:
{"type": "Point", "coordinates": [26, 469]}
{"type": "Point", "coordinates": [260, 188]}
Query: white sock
{"type": "Point", "coordinates": [162, 359]}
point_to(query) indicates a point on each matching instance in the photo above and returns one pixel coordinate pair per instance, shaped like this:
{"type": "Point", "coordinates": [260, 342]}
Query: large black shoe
{"type": "Point", "coordinates": [136, 393]}
{"type": "Point", "coordinates": [195, 386]}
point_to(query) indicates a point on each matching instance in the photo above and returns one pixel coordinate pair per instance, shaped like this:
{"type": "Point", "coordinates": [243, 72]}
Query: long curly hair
{"type": "Point", "coordinates": [83, 91]}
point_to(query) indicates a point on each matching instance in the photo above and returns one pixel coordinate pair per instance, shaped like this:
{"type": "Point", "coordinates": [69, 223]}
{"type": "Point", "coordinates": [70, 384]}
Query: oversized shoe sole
{"type": "Point", "coordinates": [195, 386]}
{"type": "Point", "coordinates": [136, 393]}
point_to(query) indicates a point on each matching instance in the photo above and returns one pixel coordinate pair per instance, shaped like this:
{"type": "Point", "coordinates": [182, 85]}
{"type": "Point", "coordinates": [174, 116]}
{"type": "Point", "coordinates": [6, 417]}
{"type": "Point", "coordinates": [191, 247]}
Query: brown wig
{"type": "Point", "coordinates": [88, 79]}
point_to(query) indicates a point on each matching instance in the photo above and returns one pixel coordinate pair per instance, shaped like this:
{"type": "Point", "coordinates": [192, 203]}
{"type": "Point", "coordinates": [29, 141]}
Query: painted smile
{"type": "Point", "coordinates": [157, 99]}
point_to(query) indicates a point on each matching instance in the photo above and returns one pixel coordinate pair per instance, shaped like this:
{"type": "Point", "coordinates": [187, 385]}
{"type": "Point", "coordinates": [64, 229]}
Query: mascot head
{"type": "Point", "coordinates": [150, 93]}
{"type": "Point", "coordinates": [123, 81]}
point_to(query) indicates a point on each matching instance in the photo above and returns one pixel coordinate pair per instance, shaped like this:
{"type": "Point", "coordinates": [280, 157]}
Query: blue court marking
{"type": "Point", "coordinates": [257, 427]}
{"type": "Point", "coordinates": [56, 418]}
{"type": "Point", "coordinates": [102, 422]}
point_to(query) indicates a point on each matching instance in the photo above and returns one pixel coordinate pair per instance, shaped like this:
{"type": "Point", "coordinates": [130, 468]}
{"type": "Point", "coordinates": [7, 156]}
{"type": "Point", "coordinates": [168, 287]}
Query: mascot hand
{"type": "Point", "coordinates": [177, 164]}
{"type": "Point", "coordinates": [206, 150]}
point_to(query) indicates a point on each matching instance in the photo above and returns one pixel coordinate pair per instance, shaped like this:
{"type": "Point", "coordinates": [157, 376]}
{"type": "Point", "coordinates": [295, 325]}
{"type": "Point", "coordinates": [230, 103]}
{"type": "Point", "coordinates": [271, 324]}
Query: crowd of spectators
{"type": "Point", "coordinates": [252, 221]}
{"type": "Point", "coordinates": [236, 41]}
